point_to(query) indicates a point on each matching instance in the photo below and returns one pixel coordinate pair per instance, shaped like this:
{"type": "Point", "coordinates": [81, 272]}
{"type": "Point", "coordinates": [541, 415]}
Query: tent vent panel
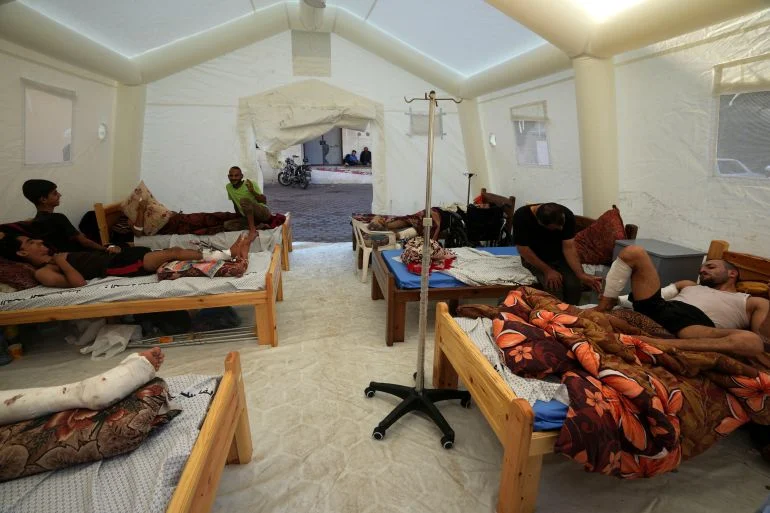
{"type": "Point", "coordinates": [418, 123]}
{"type": "Point", "coordinates": [311, 53]}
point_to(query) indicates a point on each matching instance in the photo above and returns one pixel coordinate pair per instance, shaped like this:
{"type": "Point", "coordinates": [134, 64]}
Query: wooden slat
{"type": "Point", "coordinates": [286, 242]}
{"type": "Point", "coordinates": [226, 424]}
{"type": "Point", "coordinates": [717, 248]}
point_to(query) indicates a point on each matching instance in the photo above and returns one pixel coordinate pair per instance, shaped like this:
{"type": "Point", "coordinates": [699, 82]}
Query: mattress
{"type": "Point", "coordinates": [549, 399]}
{"type": "Point", "coordinates": [104, 290]}
{"type": "Point", "coordinates": [266, 240]}
{"type": "Point", "coordinates": [143, 480]}
{"type": "Point", "coordinates": [406, 280]}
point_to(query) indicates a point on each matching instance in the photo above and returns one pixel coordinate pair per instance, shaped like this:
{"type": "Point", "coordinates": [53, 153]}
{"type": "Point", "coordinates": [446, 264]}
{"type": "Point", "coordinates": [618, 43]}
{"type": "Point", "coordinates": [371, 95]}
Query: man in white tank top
{"type": "Point", "coordinates": [712, 316]}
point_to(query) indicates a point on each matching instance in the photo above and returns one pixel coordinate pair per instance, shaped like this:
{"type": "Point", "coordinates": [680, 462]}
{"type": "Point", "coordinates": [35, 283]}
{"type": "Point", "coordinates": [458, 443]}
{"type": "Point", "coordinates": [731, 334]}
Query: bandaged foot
{"type": "Point", "coordinates": [215, 255]}
{"type": "Point", "coordinates": [95, 393]}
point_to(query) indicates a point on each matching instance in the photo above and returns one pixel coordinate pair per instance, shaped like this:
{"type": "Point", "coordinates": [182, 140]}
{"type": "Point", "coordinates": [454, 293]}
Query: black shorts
{"type": "Point", "coordinates": [672, 315]}
{"type": "Point", "coordinates": [129, 262]}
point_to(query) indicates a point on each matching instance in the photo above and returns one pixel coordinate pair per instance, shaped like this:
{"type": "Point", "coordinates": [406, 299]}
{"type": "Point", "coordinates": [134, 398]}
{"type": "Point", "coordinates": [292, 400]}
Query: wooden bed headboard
{"type": "Point", "coordinates": [751, 267]}
{"type": "Point", "coordinates": [508, 204]}
{"type": "Point", "coordinates": [106, 216]}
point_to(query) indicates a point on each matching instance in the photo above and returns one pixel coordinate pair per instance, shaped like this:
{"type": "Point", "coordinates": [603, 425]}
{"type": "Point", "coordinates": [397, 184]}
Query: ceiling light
{"type": "Point", "coordinates": [602, 10]}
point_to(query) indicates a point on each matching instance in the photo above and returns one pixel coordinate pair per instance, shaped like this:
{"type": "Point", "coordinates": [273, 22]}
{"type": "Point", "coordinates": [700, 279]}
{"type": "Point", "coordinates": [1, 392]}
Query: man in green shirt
{"type": "Point", "coordinates": [248, 201]}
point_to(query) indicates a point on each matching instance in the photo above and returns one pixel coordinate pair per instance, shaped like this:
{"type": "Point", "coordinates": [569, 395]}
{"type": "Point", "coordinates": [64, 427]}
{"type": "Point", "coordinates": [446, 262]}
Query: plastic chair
{"type": "Point", "coordinates": [365, 244]}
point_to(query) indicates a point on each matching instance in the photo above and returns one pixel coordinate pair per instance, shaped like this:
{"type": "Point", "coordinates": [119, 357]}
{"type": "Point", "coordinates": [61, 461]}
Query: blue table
{"type": "Point", "coordinates": [391, 281]}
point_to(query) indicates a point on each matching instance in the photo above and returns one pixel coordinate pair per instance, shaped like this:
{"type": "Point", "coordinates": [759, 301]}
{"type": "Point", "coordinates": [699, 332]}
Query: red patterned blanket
{"type": "Point", "coordinates": [637, 409]}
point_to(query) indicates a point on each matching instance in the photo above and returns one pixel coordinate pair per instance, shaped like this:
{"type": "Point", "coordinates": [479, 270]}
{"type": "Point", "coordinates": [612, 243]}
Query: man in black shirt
{"type": "Point", "coordinates": [545, 237]}
{"type": "Point", "coordinates": [53, 228]}
{"type": "Point", "coordinates": [366, 157]}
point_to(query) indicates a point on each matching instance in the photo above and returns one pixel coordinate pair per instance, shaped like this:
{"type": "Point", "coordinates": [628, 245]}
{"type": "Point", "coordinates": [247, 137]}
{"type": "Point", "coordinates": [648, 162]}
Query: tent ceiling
{"type": "Point", "coordinates": [133, 27]}
{"type": "Point", "coordinates": [466, 36]}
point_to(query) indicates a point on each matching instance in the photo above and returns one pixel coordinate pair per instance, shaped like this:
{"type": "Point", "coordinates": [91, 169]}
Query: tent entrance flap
{"type": "Point", "coordinates": [292, 114]}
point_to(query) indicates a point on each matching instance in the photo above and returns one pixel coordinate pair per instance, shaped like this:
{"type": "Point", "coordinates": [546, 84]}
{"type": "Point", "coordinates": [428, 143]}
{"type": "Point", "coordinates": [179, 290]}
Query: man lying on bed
{"type": "Point", "coordinates": [712, 316]}
{"type": "Point", "coordinates": [68, 270]}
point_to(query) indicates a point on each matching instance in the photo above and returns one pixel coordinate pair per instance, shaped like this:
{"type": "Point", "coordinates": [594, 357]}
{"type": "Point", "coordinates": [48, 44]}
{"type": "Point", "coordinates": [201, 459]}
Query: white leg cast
{"type": "Point", "coordinates": [94, 393]}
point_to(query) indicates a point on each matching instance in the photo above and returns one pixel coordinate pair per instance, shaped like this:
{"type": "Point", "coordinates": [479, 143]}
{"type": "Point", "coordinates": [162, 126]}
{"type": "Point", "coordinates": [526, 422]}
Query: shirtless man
{"type": "Point", "coordinates": [712, 316]}
{"type": "Point", "coordinates": [69, 270]}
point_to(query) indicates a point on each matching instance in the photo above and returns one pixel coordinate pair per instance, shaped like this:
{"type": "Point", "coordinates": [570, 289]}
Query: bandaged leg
{"type": "Point", "coordinates": [95, 393]}
{"type": "Point", "coordinates": [616, 279]}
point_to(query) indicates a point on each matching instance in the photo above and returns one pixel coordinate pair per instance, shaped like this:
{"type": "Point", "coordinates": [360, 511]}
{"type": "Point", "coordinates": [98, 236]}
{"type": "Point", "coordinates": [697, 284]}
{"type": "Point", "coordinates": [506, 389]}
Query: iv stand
{"type": "Point", "coordinates": [419, 398]}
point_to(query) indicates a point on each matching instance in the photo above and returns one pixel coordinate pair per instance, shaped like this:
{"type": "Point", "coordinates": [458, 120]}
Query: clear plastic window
{"type": "Point", "coordinates": [531, 143]}
{"type": "Point", "coordinates": [743, 139]}
{"type": "Point", "coordinates": [47, 126]}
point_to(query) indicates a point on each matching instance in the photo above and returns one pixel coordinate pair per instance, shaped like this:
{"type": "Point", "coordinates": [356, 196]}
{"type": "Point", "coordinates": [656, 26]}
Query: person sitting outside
{"type": "Point", "coordinates": [248, 201]}
{"type": "Point", "coordinates": [712, 316]}
{"type": "Point", "coordinates": [366, 157]}
{"type": "Point", "coordinates": [72, 269]}
{"type": "Point", "coordinates": [351, 159]}
{"type": "Point", "coordinates": [544, 234]}
{"type": "Point", "coordinates": [54, 228]}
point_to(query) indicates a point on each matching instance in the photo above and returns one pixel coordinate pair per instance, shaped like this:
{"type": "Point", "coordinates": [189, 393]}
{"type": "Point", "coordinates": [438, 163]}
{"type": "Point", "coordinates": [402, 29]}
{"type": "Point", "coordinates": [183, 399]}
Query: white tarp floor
{"type": "Point", "coordinates": [311, 424]}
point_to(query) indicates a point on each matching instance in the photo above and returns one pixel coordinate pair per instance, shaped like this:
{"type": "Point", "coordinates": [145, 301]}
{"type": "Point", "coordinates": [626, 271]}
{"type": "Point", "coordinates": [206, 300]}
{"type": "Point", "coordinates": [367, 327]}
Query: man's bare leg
{"type": "Point", "coordinates": [718, 340]}
{"type": "Point", "coordinates": [155, 259]}
{"type": "Point", "coordinates": [644, 277]}
{"type": "Point", "coordinates": [240, 248]}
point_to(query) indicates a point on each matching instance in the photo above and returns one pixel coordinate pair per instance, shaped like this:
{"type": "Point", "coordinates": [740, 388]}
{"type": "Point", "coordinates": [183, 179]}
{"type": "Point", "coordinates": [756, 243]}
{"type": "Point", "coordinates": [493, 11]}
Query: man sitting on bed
{"type": "Point", "coordinates": [544, 234]}
{"type": "Point", "coordinates": [54, 228]}
{"type": "Point", "coordinates": [248, 201]}
{"type": "Point", "coordinates": [69, 270]}
{"type": "Point", "coordinates": [712, 316]}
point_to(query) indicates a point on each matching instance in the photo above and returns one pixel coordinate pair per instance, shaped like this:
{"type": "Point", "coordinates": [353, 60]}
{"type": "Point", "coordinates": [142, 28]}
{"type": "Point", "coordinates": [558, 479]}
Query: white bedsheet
{"type": "Point", "coordinates": [475, 267]}
{"type": "Point", "coordinates": [104, 290]}
{"type": "Point", "coordinates": [266, 240]}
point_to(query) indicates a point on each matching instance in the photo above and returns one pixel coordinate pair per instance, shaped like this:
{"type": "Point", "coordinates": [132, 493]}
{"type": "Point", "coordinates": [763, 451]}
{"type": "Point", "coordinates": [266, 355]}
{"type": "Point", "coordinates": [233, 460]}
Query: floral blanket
{"type": "Point", "coordinates": [77, 436]}
{"type": "Point", "coordinates": [637, 408]}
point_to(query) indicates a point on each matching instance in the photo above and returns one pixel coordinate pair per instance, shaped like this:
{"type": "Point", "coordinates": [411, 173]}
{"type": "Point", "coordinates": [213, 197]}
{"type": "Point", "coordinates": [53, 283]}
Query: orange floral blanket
{"type": "Point", "coordinates": [637, 409]}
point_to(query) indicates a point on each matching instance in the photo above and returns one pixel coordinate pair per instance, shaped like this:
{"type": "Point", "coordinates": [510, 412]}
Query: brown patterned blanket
{"type": "Point", "coordinates": [637, 409]}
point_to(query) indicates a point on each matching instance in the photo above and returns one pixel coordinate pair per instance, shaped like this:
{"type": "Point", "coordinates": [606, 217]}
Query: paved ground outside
{"type": "Point", "coordinates": [320, 213]}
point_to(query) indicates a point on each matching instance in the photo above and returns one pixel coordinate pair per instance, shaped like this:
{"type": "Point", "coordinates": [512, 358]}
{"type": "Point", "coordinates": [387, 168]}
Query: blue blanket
{"type": "Point", "coordinates": [407, 280]}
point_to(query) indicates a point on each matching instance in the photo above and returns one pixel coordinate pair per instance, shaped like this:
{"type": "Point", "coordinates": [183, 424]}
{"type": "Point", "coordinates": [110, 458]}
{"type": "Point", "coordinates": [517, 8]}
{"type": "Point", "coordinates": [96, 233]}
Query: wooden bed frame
{"type": "Point", "coordinates": [225, 437]}
{"type": "Point", "coordinates": [511, 418]}
{"type": "Point", "coordinates": [108, 215]}
{"type": "Point", "coordinates": [262, 300]}
{"type": "Point", "coordinates": [384, 287]}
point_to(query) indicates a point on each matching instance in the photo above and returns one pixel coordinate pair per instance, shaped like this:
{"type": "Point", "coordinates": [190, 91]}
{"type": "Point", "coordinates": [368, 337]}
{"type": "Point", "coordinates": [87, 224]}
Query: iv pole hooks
{"type": "Point", "coordinates": [419, 398]}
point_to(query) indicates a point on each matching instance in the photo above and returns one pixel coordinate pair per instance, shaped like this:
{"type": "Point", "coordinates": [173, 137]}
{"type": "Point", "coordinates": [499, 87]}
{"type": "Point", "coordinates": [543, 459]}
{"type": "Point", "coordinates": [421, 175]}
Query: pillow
{"type": "Point", "coordinates": [155, 215]}
{"type": "Point", "coordinates": [596, 243]}
{"type": "Point", "coordinates": [77, 436]}
{"type": "Point", "coordinates": [17, 275]}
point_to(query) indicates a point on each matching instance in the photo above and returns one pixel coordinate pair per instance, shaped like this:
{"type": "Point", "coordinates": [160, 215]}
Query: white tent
{"type": "Point", "coordinates": [166, 81]}
{"type": "Point", "coordinates": [659, 106]}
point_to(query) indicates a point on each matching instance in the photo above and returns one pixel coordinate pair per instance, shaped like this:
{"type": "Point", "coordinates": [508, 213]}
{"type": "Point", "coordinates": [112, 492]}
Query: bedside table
{"type": "Point", "coordinates": [672, 261]}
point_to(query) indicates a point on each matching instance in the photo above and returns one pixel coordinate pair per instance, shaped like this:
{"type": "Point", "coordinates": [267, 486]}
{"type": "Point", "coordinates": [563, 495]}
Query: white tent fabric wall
{"type": "Point", "coordinates": [191, 125]}
{"type": "Point", "coordinates": [667, 122]}
{"type": "Point", "coordinates": [559, 182]}
{"type": "Point", "coordinates": [84, 180]}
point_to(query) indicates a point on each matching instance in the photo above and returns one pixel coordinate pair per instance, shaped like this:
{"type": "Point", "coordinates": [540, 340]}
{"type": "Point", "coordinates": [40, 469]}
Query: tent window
{"type": "Point", "coordinates": [743, 137]}
{"type": "Point", "coordinates": [48, 114]}
{"type": "Point", "coordinates": [530, 128]}
{"type": "Point", "coordinates": [418, 123]}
